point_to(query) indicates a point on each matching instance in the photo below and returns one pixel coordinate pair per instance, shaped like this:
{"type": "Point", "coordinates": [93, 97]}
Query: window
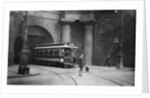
{"type": "Point", "coordinates": [67, 52]}
{"type": "Point", "coordinates": [41, 53]}
{"type": "Point", "coordinates": [37, 53]}
{"type": "Point", "coordinates": [46, 52]}
{"type": "Point", "coordinates": [50, 52]}
{"type": "Point", "coordinates": [56, 51]}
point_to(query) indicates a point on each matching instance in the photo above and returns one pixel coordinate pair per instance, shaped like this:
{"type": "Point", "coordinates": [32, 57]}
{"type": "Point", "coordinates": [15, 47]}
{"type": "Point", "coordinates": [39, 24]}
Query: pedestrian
{"type": "Point", "coordinates": [81, 64]}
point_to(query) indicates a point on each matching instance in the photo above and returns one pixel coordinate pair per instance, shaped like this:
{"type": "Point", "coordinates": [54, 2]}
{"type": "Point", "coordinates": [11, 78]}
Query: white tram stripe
{"type": "Point", "coordinates": [48, 59]}
{"type": "Point", "coordinates": [47, 47]}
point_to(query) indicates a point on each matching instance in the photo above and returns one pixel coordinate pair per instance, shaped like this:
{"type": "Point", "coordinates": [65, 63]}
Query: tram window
{"type": "Point", "coordinates": [37, 53]}
{"type": "Point", "coordinates": [56, 51]}
{"type": "Point", "coordinates": [41, 53]}
{"type": "Point", "coordinates": [50, 52]}
{"type": "Point", "coordinates": [67, 52]}
{"type": "Point", "coordinates": [46, 52]}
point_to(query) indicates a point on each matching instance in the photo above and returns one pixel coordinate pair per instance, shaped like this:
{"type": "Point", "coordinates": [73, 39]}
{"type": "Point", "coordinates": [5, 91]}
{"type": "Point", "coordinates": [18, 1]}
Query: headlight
{"type": "Point", "coordinates": [61, 60]}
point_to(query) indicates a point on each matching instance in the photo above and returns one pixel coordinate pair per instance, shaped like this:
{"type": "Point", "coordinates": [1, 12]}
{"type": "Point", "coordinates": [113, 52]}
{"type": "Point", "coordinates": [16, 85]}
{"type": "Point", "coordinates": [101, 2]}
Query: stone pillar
{"type": "Point", "coordinates": [88, 43]}
{"type": "Point", "coordinates": [66, 32]}
{"type": "Point", "coordinates": [11, 40]}
{"type": "Point", "coordinates": [24, 54]}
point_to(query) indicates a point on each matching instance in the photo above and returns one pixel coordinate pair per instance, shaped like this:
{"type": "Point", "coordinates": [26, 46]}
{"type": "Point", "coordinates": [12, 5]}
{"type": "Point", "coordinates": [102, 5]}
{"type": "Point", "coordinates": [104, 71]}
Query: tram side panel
{"type": "Point", "coordinates": [53, 57]}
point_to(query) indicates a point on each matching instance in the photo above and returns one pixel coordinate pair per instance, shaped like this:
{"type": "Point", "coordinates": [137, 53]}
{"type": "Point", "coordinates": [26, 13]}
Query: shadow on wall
{"type": "Point", "coordinates": [109, 26]}
{"type": "Point", "coordinates": [129, 54]}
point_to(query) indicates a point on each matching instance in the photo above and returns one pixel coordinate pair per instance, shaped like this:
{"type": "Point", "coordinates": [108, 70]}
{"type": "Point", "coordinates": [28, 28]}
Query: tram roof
{"type": "Point", "coordinates": [56, 45]}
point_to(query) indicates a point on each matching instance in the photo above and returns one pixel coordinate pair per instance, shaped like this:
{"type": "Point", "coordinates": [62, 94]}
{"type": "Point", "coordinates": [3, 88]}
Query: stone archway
{"type": "Point", "coordinates": [37, 35]}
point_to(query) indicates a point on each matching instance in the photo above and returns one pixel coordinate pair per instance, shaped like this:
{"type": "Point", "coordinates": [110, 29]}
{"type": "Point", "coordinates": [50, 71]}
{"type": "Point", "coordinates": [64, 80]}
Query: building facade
{"type": "Point", "coordinates": [94, 32]}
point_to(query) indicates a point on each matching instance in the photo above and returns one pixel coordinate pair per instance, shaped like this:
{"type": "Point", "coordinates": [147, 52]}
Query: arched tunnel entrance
{"type": "Point", "coordinates": [36, 35]}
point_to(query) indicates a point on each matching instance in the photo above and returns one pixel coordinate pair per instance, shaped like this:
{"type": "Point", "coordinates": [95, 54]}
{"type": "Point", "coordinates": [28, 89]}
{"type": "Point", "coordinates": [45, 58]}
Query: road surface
{"type": "Point", "coordinates": [48, 75]}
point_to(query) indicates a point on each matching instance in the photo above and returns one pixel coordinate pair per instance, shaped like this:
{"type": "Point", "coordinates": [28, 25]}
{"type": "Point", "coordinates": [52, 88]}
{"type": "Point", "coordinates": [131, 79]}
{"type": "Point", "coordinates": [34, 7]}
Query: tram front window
{"type": "Point", "coordinates": [67, 52]}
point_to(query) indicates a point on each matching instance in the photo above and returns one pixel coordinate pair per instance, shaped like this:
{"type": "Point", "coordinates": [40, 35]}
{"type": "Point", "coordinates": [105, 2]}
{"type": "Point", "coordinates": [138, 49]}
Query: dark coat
{"type": "Point", "coordinates": [81, 62]}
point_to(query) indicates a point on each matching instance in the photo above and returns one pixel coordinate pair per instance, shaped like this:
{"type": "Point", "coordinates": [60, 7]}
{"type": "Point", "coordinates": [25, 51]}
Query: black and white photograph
{"type": "Point", "coordinates": [72, 47]}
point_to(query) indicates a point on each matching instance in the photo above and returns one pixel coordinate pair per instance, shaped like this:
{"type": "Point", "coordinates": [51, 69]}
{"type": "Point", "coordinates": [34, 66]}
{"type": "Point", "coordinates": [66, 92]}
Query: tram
{"type": "Point", "coordinates": [60, 54]}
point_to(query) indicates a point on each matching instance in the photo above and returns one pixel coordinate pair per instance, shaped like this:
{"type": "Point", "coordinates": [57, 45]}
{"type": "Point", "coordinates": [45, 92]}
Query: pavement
{"type": "Point", "coordinates": [48, 75]}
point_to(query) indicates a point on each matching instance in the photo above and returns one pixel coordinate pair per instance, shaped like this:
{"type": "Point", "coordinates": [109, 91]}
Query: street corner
{"type": "Point", "coordinates": [13, 72]}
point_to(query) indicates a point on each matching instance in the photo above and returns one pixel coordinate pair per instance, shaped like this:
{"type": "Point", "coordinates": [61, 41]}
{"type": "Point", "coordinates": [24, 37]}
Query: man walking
{"type": "Point", "coordinates": [81, 64]}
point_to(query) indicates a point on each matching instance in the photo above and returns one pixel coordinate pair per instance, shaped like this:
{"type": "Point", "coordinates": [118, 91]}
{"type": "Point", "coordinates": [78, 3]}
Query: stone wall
{"type": "Point", "coordinates": [77, 36]}
{"type": "Point", "coordinates": [48, 21]}
{"type": "Point", "coordinates": [14, 31]}
{"type": "Point", "coordinates": [109, 26]}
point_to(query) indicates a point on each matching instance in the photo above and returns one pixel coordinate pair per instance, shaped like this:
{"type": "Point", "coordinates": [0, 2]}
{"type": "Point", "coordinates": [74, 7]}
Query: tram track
{"type": "Point", "coordinates": [60, 76]}
{"type": "Point", "coordinates": [75, 82]}
{"type": "Point", "coordinates": [120, 84]}
{"type": "Point", "coordinates": [53, 73]}
{"type": "Point", "coordinates": [67, 78]}
{"type": "Point", "coordinates": [100, 78]}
